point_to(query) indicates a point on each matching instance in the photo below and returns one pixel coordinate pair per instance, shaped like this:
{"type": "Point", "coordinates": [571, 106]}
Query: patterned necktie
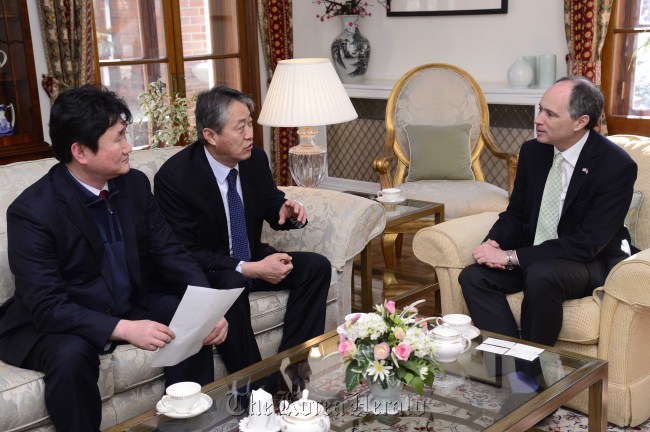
{"type": "Point", "coordinates": [549, 211]}
{"type": "Point", "coordinates": [238, 233]}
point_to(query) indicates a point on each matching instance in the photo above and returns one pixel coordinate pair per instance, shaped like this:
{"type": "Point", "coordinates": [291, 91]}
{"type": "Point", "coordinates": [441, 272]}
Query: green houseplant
{"type": "Point", "coordinates": [168, 118]}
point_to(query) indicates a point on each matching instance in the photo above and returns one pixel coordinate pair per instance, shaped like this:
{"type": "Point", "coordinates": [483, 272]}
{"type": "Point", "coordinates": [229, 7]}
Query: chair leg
{"type": "Point", "coordinates": [398, 246]}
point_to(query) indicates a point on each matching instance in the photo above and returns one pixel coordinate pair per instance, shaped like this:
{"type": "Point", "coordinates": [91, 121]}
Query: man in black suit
{"type": "Point", "coordinates": [586, 236]}
{"type": "Point", "coordinates": [193, 188]}
{"type": "Point", "coordinates": [83, 243]}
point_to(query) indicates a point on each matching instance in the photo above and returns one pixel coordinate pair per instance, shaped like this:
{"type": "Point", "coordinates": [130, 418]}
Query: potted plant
{"type": "Point", "coordinates": [168, 119]}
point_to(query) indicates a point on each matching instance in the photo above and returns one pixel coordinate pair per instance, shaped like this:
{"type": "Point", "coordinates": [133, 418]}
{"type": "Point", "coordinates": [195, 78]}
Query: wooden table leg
{"type": "Point", "coordinates": [366, 279]}
{"type": "Point", "coordinates": [598, 405]}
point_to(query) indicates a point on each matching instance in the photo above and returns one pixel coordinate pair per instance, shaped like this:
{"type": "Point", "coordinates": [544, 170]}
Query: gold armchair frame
{"type": "Point", "coordinates": [484, 139]}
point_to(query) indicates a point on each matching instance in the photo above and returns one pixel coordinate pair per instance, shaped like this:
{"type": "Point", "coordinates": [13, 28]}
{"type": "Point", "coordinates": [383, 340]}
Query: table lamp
{"type": "Point", "coordinates": [305, 93]}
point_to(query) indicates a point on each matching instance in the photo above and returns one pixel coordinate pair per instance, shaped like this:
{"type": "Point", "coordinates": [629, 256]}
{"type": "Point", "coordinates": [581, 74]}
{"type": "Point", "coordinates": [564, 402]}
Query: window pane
{"type": "Point", "coordinates": [201, 75]}
{"type": "Point", "coordinates": [128, 81]}
{"type": "Point", "coordinates": [641, 80]}
{"type": "Point", "coordinates": [209, 27]}
{"type": "Point", "coordinates": [128, 29]}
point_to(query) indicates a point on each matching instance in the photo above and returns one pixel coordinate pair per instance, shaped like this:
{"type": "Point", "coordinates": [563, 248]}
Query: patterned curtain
{"type": "Point", "coordinates": [277, 43]}
{"type": "Point", "coordinates": [585, 23]}
{"type": "Point", "coordinates": [67, 27]}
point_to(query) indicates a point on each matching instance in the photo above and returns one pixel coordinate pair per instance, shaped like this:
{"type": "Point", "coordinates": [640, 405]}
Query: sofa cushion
{"type": "Point", "coordinates": [460, 197]}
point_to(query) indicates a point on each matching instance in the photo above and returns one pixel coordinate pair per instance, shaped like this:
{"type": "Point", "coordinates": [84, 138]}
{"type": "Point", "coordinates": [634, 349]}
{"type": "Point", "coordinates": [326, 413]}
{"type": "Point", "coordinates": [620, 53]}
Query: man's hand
{"type": "Point", "coordinates": [218, 333]}
{"type": "Point", "coordinates": [490, 255]}
{"type": "Point", "coordinates": [273, 269]}
{"type": "Point", "coordinates": [293, 209]}
{"type": "Point", "coordinates": [145, 334]}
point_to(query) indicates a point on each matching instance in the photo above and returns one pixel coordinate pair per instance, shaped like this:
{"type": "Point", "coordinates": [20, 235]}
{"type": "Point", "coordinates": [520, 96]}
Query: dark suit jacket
{"type": "Point", "coordinates": [591, 228]}
{"type": "Point", "coordinates": [188, 195]}
{"type": "Point", "coordinates": [63, 284]}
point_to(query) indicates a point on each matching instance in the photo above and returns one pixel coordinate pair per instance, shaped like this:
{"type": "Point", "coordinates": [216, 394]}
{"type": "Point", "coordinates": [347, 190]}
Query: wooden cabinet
{"type": "Point", "coordinates": [21, 132]}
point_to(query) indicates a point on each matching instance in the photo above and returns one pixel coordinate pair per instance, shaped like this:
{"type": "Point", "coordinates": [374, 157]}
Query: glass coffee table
{"type": "Point", "coordinates": [404, 217]}
{"type": "Point", "coordinates": [473, 395]}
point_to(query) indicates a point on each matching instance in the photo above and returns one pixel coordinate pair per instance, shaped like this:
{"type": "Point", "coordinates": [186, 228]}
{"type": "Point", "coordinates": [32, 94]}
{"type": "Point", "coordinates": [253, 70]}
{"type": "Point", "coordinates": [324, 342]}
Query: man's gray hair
{"type": "Point", "coordinates": [586, 99]}
{"type": "Point", "coordinates": [212, 108]}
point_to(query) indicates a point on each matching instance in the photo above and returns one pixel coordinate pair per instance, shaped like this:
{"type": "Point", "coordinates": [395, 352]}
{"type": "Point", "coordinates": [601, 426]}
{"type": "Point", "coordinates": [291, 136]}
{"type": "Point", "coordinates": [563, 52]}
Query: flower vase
{"type": "Point", "coordinates": [351, 51]}
{"type": "Point", "coordinates": [385, 400]}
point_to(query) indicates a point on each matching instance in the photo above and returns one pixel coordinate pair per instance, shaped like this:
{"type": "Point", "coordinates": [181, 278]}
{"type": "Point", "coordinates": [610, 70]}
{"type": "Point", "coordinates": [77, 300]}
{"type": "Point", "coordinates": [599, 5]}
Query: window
{"type": "Point", "coordinates": [626, 68]}
{"type": "Point", "coordinates": [191, 45]}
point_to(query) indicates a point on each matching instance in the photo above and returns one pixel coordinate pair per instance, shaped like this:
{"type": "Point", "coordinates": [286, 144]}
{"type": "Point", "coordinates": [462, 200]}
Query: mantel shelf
{"type": "Point", "coordinates": [495, 93]}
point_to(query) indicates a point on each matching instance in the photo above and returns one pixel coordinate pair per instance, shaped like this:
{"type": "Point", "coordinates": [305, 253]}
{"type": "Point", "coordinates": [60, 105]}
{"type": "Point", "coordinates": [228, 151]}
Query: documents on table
{"type": "Point", "coordinates": [199, 311]}
{"type": "Point", "coordinates": [519, 350]}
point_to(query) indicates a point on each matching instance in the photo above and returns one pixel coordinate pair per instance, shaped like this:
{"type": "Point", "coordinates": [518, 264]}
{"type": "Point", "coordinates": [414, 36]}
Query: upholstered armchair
{"type": "Point", "coordinates": [612, 324]}
{"type": "Point", "coordinates": [437, 126]}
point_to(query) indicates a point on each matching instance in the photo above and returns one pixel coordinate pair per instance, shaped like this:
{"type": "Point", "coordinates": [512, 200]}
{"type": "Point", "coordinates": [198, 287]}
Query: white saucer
{"type": "Point", "coordinates": [472, 333]}
{"type": "Point", "coordinates": [387, 201]}
{"type": "Point", "coordinates": [243, 426]}
{"type": "Point", "coordinates": [204, 404]}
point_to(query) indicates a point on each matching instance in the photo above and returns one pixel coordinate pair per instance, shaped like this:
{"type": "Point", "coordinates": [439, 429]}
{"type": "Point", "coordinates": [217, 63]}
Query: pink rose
{"type": "Point", "coordinates": [390, 307]}
{"type": "Point", "coordinates": [402, 351]}
{"type": "Point", "coordinates": [399, 333]}
{"type": "Point", "coordinates": [354, 318]}
{"type": "Point", "coordinates": [347, 349]}
{"type": "Point", "coordinates": [382, 351]}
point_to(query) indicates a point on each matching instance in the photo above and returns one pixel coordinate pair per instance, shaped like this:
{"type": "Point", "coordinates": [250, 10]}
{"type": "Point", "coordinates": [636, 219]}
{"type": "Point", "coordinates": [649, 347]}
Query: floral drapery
{"type": "Point", "coordinates": [67, 29]}
{"type": "Point", "coordinates": [277, 44]}
{"type": "Point", "coordinates": [585, 23]}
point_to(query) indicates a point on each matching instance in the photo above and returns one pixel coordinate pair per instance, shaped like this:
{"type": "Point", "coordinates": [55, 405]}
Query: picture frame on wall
{"type": "Point", "coordinates": [446, 7]}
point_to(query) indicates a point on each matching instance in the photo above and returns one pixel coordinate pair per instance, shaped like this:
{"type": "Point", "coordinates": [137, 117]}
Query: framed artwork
{"type": "Point", "coordinates": [446, 7]}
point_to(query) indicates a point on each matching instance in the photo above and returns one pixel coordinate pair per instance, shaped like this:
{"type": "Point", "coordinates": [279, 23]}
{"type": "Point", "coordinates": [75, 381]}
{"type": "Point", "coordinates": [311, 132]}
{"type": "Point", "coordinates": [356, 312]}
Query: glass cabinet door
{"type": "Point", "coordinates": [21, 135]}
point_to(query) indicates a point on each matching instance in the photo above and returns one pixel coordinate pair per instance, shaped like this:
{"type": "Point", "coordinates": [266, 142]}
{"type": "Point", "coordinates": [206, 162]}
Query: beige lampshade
{"type": "Point", "coordinates": [306, 92]}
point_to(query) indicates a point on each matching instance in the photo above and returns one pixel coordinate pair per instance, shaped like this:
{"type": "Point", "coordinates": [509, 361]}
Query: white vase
{"type": "Point", "coordinates": [520, 74]}
{"type": "Point", "coordinates": [547, 71]}
{"type": "Point", "coordinates": [385, 400]}
{"type": "Point", "coordinates": [350, 51]}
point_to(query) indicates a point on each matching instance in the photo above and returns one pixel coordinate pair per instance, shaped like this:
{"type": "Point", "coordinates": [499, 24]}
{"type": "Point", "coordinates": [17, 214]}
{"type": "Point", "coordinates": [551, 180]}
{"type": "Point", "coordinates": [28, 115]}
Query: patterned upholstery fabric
{"type": "Point", "coordinates": [612, 324]}
{"type": "Point", "coordinates": [340, 225]}
{"type": "Point", "coordinates": [460, 197]}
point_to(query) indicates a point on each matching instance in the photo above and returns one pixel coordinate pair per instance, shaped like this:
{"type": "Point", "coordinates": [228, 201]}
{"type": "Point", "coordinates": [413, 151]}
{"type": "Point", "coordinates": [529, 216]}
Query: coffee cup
{"type": "Point", "coordinates": [261, 412]}
{"type": "Point", "coordinates": [459, 322]}
{"type": "Point", "coordinates": [182, 397]}
{"type": "Point", "coordinates": [390, 194]}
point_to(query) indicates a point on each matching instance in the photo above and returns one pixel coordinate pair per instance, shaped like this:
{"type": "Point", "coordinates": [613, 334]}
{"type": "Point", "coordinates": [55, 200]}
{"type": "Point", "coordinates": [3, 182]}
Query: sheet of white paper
{"type": "Point", "coordinates": [199, 311]}
{"type": "Point", "coordinates": [499, 342]}
{"type": "Point", "coordinates": [524, 351]}
{"type": "Point", "coordinates": [492, 348]}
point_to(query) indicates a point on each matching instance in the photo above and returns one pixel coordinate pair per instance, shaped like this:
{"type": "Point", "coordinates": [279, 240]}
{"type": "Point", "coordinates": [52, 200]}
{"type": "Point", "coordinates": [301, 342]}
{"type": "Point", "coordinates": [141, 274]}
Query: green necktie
{"type": "Point", "coordinates": [549, 211]}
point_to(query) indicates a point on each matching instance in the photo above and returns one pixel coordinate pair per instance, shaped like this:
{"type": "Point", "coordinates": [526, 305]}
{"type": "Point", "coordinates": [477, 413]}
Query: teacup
{"type": "Point", "coordinates": [459, 322]}
{"type": "Point", "coordinates": [182, 397]}
{"type": "Point", "coordinates": [261, 413]}
{"type": "Point", "coordinates": [390, 194]}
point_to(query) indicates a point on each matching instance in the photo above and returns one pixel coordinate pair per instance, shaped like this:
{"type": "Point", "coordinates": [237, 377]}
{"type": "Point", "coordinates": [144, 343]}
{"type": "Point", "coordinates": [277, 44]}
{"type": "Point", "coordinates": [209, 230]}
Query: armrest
{"type": "Point", "coordinates": [340, 225]}
{"type": "Point", "coordinates": [625, 321]}
{"type": "Point", "coordinates": [447, 247]}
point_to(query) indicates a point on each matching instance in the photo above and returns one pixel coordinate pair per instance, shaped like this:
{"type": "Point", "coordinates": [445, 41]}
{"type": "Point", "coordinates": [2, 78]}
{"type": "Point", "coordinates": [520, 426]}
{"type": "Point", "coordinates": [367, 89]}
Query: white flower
{"type": "Point", "coordinates": [378, 369]}
{"type": "Point", "coordinates": [420, 343]}
{"type": "Point", "coordinates": [370, 325]}
{"type": "Point", "coordinates": [424, 371]}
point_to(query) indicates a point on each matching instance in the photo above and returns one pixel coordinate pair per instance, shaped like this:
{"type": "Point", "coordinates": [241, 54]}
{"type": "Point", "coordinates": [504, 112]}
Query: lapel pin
{"type": "Point", "coordinates": [585, 170]}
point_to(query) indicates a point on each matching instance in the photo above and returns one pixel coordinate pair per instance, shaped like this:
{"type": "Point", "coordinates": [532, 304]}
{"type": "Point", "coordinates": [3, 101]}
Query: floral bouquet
{"type": "Point", "coordinates": [347, 7]}
{"type": "Point", "coordinates": [388, 344]}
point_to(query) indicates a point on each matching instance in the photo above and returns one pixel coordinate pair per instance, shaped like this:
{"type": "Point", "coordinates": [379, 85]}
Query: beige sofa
{"type": "Point", "coordinates": [339, 227]}
{"type": "Point", "coordinates": [612, 324]}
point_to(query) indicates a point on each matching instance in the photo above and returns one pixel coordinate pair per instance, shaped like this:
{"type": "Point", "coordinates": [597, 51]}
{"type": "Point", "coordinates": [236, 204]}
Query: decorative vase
{"type": "Point", "coordinates": [385, 400]}
{"type": "Point", "coordinates": [6, 125]}
{"type": "Point", "coordinates": [546, 70]}
{"type": "Point", "coordinates": [520, 74]}
{"type": "Point", "coordinates": [350, 51]}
